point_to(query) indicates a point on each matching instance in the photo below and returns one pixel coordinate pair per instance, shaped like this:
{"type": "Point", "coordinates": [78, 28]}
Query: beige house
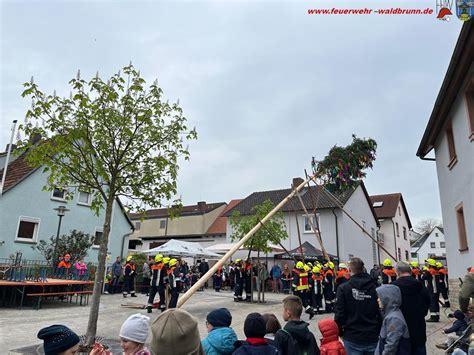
{"type": "Point", "coordinates": [194, 223]}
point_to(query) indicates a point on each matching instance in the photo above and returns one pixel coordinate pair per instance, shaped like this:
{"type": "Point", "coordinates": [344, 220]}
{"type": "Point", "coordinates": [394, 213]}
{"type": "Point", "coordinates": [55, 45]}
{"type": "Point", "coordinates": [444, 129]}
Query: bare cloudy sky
{"type": "Point", "coordinates": [266, 85]}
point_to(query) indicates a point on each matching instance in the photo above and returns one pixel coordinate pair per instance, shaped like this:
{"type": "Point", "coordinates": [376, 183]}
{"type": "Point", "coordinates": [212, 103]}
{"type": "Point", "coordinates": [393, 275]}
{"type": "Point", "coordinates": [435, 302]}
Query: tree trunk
{"type": "Point", "coordinates": [99, 275]}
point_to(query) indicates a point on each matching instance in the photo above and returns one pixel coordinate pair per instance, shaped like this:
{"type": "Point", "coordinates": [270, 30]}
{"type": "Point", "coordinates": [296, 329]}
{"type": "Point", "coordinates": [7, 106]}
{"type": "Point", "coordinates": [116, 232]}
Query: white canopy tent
{"type": "Point", "coordinates": [184, 249]}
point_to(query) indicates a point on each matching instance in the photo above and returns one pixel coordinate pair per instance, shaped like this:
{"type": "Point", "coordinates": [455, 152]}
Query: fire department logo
{"type": "Point", "coordinates": [443, 9]}
{"type": "Point", "coordinates": [464, 9]}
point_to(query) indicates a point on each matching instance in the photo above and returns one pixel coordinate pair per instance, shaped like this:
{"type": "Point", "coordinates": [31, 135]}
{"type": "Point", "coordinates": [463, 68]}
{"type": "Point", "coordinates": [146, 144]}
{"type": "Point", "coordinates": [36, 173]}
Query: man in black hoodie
{"type": "Point", "coordinates": [415, 306]}
{"type": "Point", "coordinates": [295, 337]}
{"type": "Point", "coordinates": [357, 312]}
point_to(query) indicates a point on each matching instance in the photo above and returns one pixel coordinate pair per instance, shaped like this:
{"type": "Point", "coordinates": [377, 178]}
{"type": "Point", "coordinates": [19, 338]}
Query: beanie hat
{"type": "Point", "coordinates": [254, 326]}
{"type": "Point", "coordinates": [135, 328]}
{"type": "Point", "coordinates": [459, 315]}
{"type": "Point", "coordinates": [177, 331]}
{"type": "Point", "coordinates": [219, 318]}
{"type": "Point", "coordinates": [57, 338]}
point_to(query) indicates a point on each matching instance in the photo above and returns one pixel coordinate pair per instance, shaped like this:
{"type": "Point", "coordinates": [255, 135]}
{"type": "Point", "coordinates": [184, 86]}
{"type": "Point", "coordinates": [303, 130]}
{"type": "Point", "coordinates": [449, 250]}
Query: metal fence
{"type": "Point", "coordinates": [40, 270]}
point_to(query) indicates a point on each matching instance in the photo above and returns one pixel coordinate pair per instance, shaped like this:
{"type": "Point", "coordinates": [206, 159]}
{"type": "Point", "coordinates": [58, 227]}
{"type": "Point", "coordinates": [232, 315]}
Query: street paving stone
{"type": "Point", "coordinates": [18, 327]}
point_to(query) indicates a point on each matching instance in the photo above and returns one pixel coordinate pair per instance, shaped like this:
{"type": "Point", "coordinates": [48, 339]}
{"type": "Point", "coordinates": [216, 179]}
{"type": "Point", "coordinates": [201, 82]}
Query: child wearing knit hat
{"type": "Point", "coordinates": [59, 340]}
{"type": "Point", "coordinates": [133, 334]}
{"type": "Point", "coordinates": [221, 337]}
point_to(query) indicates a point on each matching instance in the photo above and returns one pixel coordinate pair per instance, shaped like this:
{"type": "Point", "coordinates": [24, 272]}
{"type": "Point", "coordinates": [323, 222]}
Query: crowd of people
{"type": "Point", "coordinates": [381, 312]}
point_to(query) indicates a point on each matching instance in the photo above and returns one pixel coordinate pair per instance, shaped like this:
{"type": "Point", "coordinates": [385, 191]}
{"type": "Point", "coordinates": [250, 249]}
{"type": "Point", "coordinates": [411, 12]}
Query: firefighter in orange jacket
{"type": "Point", "coordinates": [64, 266]}
{"type": "Point", "coordinates": [431, 277]}
{"type": "Point", "coordinates": [415, 270]}
{"type": "Point", "coordinates": [157, 284]}
{"type": "Point", "coordinates": [342, 275]}
{"type": "Point", "coordinates": [301, 286]}
{"type": "Point", "coordinates": [129, 277]}
{"type": "Point", "coordinates": [388, 273]}
{"type": "Point", "coordinates": [316, 285]}
{"type": "Point", "coordinates": [328, 287]}
{"type": "Point", "coordinates": [443, 283]}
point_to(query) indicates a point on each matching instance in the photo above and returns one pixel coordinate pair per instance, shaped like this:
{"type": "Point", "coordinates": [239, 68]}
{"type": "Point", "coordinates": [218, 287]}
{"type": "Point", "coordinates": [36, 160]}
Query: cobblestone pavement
{"type": "Point", "coordinates": [18, 327]}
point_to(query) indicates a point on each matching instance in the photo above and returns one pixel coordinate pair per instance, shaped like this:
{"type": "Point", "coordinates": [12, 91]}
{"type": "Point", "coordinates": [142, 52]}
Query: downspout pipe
{"type": "Point", "coordinates": [337, 234]}
{"type": "Point", "coordinates": [123, 243]}
{"type": "Point", "coordinates": [394, 238]}
{"type": "Point", "coordinates": [378, 246]}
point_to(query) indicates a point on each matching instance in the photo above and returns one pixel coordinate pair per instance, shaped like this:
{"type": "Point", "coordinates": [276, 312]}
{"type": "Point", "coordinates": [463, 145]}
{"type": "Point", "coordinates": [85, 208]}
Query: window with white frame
{"type": "Point", "coordinates": [58, 194]}
{"type": "Point", "coordinates": [432, 245]}
{"type": "Point", "coordinates": [28, 228]}
{"type": "Point", "coordinates": [84, 198]}
{"type": "Point", "coordinates": [98, 236]}
{"type": "Point", "coordinates": [308, 220]}
{"type": "Point", "coordinates": [442, 244]}
{"type": "Point", "coordinates": [414, 255]}
{"type": "Point", "coordinates": [163, 224]}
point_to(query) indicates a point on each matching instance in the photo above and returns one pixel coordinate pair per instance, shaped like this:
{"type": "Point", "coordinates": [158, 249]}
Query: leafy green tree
{"type": "Point", "coordinates": [344, 167]}
{"type": "Point", "coordinates": [274, 231]}
{"type": "Point", "coordinates": [110, 138]}
{"type": "Point", "coordinates": [76, 243]}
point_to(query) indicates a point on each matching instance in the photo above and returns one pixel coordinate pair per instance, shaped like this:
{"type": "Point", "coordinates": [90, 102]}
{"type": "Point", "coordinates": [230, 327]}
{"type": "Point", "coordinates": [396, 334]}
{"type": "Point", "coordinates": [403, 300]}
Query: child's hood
{"type": "Point", "coordinates": [391, 298]}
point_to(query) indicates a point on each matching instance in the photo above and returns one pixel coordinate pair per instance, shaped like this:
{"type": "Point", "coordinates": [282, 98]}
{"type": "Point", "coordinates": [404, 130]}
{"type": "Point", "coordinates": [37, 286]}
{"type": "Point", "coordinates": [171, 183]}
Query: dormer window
{"type": "Point", "coordinates": [377, 204]}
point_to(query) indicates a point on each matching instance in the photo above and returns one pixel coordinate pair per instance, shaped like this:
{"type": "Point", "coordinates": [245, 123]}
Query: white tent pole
{"type": "Point", "coordinates": [182, 300]}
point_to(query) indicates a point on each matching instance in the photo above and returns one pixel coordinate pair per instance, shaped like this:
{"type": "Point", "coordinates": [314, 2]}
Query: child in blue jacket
{"type": "Point", "coordinates": [221, 338]}
{"type": "Point", "coordinates": [455, 331]}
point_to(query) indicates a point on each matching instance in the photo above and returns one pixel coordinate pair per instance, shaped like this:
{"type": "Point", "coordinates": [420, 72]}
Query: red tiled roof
{"type": "Point", "coordinates": [220, 224]}
{"type": "Point", "coordinates": [17, 170]}
{"type": "Point", "coordinates": [185, 211]}
{"type": "Point", "coordinates": [389, 206]}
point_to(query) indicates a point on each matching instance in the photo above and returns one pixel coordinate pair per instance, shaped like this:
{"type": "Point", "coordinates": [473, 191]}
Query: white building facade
{"type": "Point", "coordinates": [450, 133]}
{"type": "Point", "coordinates": [430, 245]}
{"type": "Point", "coordinates": [395, 226]}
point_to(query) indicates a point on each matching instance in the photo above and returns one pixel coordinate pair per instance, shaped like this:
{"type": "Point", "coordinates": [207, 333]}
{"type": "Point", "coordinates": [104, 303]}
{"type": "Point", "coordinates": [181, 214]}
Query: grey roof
{"type": "Point", "coordinates": [420, 241]}
{"type": "Point", "coordinates": [312, 197]}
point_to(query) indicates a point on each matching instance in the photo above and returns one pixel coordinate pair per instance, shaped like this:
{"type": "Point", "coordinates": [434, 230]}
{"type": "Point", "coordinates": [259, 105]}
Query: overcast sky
{"type": "Point", "coordinates": [266, 85]}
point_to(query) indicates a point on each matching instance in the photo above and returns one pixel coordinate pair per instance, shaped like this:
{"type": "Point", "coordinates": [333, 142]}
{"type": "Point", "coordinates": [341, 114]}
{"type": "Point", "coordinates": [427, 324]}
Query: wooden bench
{"type": "Point", "coordinates": [63, 293]}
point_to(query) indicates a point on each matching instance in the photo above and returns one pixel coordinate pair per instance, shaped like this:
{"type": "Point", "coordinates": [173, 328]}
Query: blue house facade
{"type": "Point", "coordinates": [28, 215]}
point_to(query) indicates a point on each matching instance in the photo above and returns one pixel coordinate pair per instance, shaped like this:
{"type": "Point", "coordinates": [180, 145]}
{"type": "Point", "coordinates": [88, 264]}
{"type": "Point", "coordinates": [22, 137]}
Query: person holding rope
{"type": "Point", "coordinates": [172, 283]}
{"type": "Point", "coordinates": [157, 284]}
{"type": "Point", "coordinates": [247, 273]}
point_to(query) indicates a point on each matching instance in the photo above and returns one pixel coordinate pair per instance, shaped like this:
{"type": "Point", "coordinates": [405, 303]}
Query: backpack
{"type": "Point", "coordinates": [293, 347]}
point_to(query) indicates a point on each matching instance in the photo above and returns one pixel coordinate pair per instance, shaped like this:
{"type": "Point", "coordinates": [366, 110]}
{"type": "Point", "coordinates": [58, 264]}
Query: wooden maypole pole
{"type": "Point", "coordinates": [182, 300]}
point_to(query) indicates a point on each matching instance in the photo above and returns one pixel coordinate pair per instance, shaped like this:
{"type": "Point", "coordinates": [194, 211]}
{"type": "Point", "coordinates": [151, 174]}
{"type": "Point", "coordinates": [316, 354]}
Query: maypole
{"type": "Point", "coordinates": [182, 300]}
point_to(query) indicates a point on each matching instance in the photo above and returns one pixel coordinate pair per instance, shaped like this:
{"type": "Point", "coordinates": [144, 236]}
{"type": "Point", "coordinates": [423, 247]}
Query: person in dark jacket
{"type": "Point", "coordinates": [357, 312]}
{"type": "Point", "coordinates": [415, 306]}
{"type": "Point", "coordinates": [203, 268]}
{"type": "Point", "coordinates": [295, 338]}
{"type": "Point", "coordinates": [394, 336]}
{"type": "Point", "coordinates": [255, 344]}
{"type": "Point", "coordinates": [455, 331]}
{"type": "Point", "coordinates": [116, 273]}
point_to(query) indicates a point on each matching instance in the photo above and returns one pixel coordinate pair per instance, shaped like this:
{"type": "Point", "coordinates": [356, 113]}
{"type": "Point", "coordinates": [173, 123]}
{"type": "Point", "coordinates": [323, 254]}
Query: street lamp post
{"type": "Point", "coordinates": [61, 212]}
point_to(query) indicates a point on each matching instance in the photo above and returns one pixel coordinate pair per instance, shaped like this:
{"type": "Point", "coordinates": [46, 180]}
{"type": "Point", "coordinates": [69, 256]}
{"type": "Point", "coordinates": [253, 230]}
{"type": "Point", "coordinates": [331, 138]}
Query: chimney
{"type": "Point", "coordinates": [202, 206]}
{"type": "Point", "coordinates": [13, 147]}
{"type": "Point", "coordinates": [297, 181]}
